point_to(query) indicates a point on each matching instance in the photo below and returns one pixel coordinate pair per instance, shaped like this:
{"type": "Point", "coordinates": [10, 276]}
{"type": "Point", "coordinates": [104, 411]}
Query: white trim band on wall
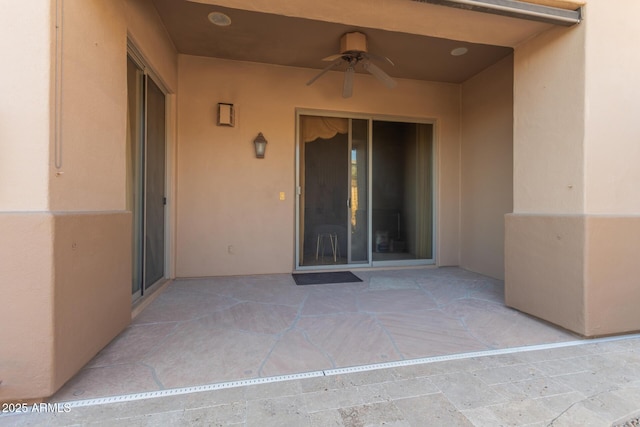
{"type": "Point", "coordinates": [516, 9]}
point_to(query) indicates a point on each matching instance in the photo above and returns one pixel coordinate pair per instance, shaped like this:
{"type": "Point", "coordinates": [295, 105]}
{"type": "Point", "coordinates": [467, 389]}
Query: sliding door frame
{"type": "Point", "coordinates": [134, 54]}
{"type": "Point", "coordinates": [434, 184]}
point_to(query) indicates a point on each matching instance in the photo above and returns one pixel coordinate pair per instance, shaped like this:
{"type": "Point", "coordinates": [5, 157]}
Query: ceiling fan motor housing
{"type": "Point", "coordinates": [353, 42]}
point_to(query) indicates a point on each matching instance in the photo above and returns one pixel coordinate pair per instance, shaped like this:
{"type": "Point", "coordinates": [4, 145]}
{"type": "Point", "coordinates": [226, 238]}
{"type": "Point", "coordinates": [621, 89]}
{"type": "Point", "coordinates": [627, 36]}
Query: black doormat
{"type": "Point", "coordinates": [325, 278]}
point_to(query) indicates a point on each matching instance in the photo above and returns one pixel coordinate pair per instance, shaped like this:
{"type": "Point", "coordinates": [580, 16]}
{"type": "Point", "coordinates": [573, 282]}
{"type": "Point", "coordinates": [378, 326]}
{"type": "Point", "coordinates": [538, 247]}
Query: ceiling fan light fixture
{"type": "Point", "coordinates": [353, 42]}
{"type": "Point", "coordinates": [219, 19]}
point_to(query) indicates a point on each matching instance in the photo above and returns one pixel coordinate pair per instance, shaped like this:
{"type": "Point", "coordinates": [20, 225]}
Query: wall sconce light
{"type": "Point", "coordinates": [260, 145]}
{"type": "Point", "coordinates": [226, 115]}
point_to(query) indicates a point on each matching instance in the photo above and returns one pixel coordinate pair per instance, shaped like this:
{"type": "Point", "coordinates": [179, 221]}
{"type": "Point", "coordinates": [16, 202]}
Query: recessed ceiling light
{"type": "Point", "coordinates": [459, 51]}
{"type": "Point", "coordinates": [219, 19]}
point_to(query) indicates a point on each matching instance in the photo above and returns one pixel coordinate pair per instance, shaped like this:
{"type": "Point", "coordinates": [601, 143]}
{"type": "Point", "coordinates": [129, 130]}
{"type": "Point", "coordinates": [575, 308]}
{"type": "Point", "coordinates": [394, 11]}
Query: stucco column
{"type": "Point", "coordinates": [65, 263]}
{"type": "Point", "coordinates": [26, 246]}
{"type": "Point", "coordinates": [572, 241]}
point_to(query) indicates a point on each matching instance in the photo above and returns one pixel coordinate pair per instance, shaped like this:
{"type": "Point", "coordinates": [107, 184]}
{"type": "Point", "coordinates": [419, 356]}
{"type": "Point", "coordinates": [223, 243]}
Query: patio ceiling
{"type": "Point", "coordinates": [295, 41]}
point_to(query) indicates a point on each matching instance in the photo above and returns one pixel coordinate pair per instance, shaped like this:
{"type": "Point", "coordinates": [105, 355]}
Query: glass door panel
{"type": "Point", "coordinates": [155, 185]}
{"type": "Point", "coordinates": [135, 164]}
{"type": "Point", "coordinates": [358, 186]}
{"type": "Point", "coordinates": [324, 145]}
{"type": "Point", "coordinates": [402, 216]}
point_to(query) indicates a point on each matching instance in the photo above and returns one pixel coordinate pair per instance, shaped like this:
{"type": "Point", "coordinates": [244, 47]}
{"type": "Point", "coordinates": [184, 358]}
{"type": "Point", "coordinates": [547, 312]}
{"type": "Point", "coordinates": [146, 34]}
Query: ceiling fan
{"type": "Point", "coordinates": [353, 48]}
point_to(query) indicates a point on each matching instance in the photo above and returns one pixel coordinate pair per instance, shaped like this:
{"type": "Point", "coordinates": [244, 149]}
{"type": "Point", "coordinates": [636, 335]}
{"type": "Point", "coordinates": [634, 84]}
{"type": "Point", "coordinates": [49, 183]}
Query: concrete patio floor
{"type": "Point", "coordinates": [202, 331]}
{"type": "Point", "coordinates": [592, 384]}
{"type": "Point", "coordinates": [410, 347]}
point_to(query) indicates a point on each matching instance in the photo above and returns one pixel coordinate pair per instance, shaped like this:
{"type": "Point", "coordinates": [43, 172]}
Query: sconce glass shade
{"type": "Point", "coordinates": [261, 145]}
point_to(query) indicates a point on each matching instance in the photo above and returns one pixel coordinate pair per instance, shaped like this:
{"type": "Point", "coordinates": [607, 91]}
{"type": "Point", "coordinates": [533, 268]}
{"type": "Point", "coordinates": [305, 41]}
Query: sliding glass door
{"type": "Point", "coordinates": [365, 192]}
{"type": "Point", "coordinates": [146, 176]}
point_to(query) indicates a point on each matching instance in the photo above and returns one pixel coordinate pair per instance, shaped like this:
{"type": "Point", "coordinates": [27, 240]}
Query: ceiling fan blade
{"type": "Point", "coordinates": [377, 72]}
{"type": "Point", "coordinates": [379, 58]}
{"type": "Point", "coordinates": [333, 57]}
{"type": "Point", "coordinates": [329, 67]}
{"type": "Point", "coordinates": [347, 89]}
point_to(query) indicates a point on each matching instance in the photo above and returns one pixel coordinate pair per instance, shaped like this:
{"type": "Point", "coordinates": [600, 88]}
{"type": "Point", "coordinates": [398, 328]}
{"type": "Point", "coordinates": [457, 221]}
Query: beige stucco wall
{"type": "Point", "coordinates": [577, 271]}
{"type": "Point", "coordinates": [65, 250]}
{"type": "Point", "coordinates": [549, 121]}
{"type": "Point", "coordinates": [612, 131]}
{"type": "Point", "coordinates": [24, 133]}
{"type": "Point", "coordinates": [544, 238]}
{"type": "Point", "coordinates": [92, 292]}
{"type": "Point", "coordinates": [486, 167]}
{"type": "Point", "coordinates": [26, 306]}
{"type": "Point", "coordinates": [227, 197]}
{"type": "Point", "coordinates": [65, 294]}
{"type": "Point", "coordinates": [612, 271]}
{"type": "Point", "coordinates": [92, 96]}
{"type": "Point", "coordinates": [571, 241]}
{"type": "Point", "coordinates": [584, 73]}
{"type": "Point", "coordinates": [91, 244]}
{"type": "Point", "coordinates": [612, 155]}
{"type": "Point", "coordinates": [26, 246]}
{"type": "Point", "coordinates": [545, 267]}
